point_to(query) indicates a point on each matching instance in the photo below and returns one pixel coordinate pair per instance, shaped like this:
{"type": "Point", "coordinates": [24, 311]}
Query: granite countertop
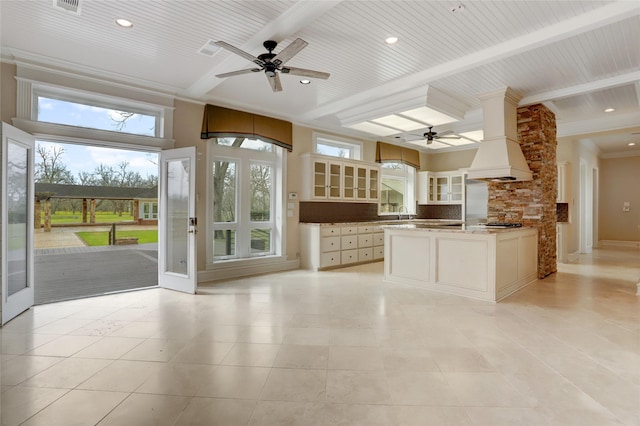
{"type": "Point", "coordinates": [459, 228]}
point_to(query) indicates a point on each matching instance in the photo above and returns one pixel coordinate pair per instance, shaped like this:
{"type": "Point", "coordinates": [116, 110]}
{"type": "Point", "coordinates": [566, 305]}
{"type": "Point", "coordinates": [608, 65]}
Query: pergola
{"type": "Point", "coordinates": [88, 194]}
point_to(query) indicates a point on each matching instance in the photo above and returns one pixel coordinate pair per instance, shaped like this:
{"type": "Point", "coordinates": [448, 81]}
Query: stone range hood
{"type": "Point", "coordinates": [499, 157]}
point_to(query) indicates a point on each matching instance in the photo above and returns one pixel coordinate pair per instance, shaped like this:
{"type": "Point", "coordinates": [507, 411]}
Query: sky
{"type": "Point", "coordinates": [80, 158]}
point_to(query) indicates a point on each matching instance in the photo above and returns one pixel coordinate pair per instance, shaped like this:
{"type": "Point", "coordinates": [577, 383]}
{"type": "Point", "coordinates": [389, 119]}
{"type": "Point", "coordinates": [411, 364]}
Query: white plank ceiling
{"type": "Point", "coordinates": [577, 57]}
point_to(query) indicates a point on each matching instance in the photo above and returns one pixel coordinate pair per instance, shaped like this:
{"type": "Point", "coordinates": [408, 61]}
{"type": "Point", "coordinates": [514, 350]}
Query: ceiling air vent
{"type": "Point", "coordinates": [209, 48]}
{"type": "Point", "coordinates": [72, 6]}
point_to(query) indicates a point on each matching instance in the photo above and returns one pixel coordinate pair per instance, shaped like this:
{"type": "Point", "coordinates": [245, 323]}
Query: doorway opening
{"type": "Point", "coordinates": [95, 220]}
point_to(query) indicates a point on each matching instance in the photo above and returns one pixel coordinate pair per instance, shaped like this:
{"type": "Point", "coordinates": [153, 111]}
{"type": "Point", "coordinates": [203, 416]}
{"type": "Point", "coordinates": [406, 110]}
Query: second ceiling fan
{"type": "Point", "coordinates": [271, 63]}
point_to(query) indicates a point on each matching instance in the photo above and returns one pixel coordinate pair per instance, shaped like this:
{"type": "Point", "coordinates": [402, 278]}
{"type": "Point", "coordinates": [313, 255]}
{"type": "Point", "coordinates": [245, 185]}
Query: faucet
{"type": "Point", "coordinates": [400, 212]}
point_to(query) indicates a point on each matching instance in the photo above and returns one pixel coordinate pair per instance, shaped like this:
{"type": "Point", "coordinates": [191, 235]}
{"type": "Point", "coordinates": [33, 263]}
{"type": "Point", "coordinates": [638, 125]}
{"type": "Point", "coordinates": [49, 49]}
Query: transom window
{"type": "Point", "coordinates": [337, 147]}
{"type": "Point", "coordinates": [397, 193]}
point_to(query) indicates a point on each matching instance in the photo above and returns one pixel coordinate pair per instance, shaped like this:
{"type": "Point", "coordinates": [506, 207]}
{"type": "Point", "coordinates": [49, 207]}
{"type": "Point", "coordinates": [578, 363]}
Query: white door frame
{"type": "Point", "coordinates": [181, 244]}
{"type": "Point", "coordinates": [20, 301]}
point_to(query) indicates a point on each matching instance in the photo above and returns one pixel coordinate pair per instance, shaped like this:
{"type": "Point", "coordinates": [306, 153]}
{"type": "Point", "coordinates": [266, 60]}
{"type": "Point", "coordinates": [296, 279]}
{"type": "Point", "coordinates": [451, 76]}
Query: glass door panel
{"type": "Point", "coordinates": [349, 181]}
{"type": "Point", "coordinates": [319, 179]}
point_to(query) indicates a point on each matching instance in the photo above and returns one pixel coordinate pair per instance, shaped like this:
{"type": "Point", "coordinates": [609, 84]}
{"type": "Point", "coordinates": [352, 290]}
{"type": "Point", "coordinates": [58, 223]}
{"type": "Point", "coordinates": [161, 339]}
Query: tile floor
{"type": "Point", "coordinates": [334, 348]}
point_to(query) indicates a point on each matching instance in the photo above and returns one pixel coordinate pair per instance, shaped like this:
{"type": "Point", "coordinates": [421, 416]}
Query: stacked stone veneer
{"type": "Point", "coordinates": [532, 202]}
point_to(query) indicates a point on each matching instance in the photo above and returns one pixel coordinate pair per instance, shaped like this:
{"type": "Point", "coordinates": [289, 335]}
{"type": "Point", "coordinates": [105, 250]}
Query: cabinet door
{"type": "Point", "coordinates": [319, 179]}
{"type": "Point", "coordinates": [361, 183]}
{"type": "Point", "coordinates": [456, 188]}
{"type": "Point", "coordinates": [374, 184]}
{"type": "Point", "coordinates": [335, 180]}
{"type": "Point", "coordinates": [349, 181]}
{"type": "Point", "coordinates": [442, 189]}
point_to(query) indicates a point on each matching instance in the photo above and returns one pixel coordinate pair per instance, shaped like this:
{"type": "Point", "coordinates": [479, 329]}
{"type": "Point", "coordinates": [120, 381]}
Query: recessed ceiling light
{"type": "Point", "coordinates": [609, 110]}
{"type": "Point", "coordinates": [631, 144]}
{"type": "Point", "coordinates": [457, 9]}
{"type": "Point", "coordinates": [305, 81]}
{"type": "Point", "coordinates": [124, 23]}
{"type": "Point", "coordinates": [391, 40]}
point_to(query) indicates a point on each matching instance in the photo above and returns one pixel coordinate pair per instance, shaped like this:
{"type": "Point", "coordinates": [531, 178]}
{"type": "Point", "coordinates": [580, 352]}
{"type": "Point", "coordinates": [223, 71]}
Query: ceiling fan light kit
{"type": "Point", "coordinates": [273, 64]}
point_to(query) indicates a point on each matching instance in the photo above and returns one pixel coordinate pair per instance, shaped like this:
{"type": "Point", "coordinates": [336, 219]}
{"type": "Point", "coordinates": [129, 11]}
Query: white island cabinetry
{"type": "Point", "coordinates": [478, 263]}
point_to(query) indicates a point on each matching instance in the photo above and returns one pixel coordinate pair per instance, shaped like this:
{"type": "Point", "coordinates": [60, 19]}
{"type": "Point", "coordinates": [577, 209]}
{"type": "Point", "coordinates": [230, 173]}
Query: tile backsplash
{"type": "Point", "coordinates": [324, 212]}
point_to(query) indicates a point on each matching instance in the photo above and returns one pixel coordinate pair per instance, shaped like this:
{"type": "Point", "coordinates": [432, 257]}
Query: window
{"type": "Point", "coordinates": [246, 182]}
{"type": "Point", "coordinates": [337, 147]}
{"type": "Point", "coordinates": [149, 210]}
{"type": "Point", "coordinates": [397, 189]}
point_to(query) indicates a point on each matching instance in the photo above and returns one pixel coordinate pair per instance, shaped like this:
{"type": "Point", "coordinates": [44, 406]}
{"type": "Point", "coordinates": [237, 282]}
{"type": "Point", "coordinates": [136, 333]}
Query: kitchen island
{"type": "Point", "coordinates": [471, 261]}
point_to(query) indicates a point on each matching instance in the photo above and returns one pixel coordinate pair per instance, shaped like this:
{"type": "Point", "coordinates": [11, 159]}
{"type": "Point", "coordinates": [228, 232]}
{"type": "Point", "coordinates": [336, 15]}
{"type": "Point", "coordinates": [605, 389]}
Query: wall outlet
{"type": "Point", "coordinates": [293, 195]}
{"type": "Point", "coordinates": [626, 206]}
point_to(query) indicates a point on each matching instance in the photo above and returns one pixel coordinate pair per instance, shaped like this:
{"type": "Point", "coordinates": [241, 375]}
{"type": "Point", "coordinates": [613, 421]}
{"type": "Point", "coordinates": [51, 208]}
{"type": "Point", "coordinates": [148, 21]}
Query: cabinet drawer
{"type": "Point", "coordinates": [378, 252]}
{"type": "Point", "coordinates": [378, 239]}
{"type": "Point", "coordinates": [329, 244]}
{"type": "Point", "coordinates": [349, 242]}
{"type": "Point", "coordinates": [365, 240]}
{"type": "Point", "coordinates": [365, 254]}
{"type": "Point", "coordinates": [349, 256]}
{"type": "Point", "coordinates": [365, 229]}
{"type": "Point", "coordinates": [330, 259]}
{"type": "Point", "coordinates": [327, 231]}
{"type": "Point", "coordinates": [349, 230]}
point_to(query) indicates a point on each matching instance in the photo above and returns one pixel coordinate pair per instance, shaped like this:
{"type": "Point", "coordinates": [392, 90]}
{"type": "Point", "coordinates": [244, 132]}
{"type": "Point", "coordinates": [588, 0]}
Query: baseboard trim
{"type": "Point", "coordinates": [245, 271]}
{"type": "Point", "coordinates": [618, 243]}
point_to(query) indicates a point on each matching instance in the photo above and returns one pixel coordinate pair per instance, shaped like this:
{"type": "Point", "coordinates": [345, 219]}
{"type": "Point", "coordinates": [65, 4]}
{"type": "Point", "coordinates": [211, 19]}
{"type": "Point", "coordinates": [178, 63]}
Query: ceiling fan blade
{"type": "Point", "coordinates": [239, 72]}
{"type": "Point", "coordinates": [274, 81]}
{"type": "Point", "coordinates": [289, 52]}
{"type": "Point", "coordinates": [247, 56]}
{"type": "Point", "coordinates": [447, 137]}
{"type": "Point", "coordinates": [446, 132]}
{"type": "Point", "coordinates": [306, 73]}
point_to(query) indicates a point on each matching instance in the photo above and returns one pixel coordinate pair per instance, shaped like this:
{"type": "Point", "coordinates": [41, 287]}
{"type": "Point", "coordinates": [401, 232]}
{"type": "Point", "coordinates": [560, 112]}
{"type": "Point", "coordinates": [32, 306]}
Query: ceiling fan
{"type": "Point", "coordinates": [272, 63]}
{"type": "Point", "coordinates": [431, 136]}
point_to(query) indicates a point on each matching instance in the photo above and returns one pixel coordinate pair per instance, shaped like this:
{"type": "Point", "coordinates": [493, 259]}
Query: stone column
{"type": "Point", "coordinates": [533, 202]}
{"type": "Point", "coordinates": [84, 210]}
{"type": "Point", "coordinates": [136, 210]}
{"type": "Point", "coordinates": [92, 211]}
{"type": "Point", "coordinates": [37, 217]}
{"type": "Point", "coordinates": [47, 216]}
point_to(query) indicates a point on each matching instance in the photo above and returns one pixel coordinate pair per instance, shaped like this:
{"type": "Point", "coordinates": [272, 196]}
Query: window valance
{"type": "Point", "coordinates": [219, 122]}
{"type": "Point", "coordinates": [386, 152]}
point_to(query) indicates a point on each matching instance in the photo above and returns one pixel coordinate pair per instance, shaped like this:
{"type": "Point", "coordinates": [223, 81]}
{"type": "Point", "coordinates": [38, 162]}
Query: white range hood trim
{"type": "Point", "coordinates": [499, 156]}
{"type": "Point", "coordinates": [499, 159]}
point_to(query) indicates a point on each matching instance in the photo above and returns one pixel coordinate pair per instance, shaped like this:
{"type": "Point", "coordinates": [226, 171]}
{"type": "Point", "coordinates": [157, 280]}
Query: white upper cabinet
{"type": "Point", "coordinates": [440, 187]}
{"type": "Point", "coordinates": [331, 179]}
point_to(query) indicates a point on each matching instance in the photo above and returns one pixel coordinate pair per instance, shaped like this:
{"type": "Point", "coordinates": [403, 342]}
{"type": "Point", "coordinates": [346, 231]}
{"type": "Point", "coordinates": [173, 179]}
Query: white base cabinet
{"type": "Point", "coordinates": [324, 246]}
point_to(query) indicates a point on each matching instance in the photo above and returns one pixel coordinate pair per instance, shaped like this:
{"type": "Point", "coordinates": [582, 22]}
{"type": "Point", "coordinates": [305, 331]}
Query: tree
{"type": "Point", "coordinates": [49, 166]}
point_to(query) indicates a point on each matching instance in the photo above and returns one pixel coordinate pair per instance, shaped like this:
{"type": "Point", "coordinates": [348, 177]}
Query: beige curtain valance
{"type": "Point", "coordinates": [219, 122]}
{"type": "Point", "coordinates": [386, 152]}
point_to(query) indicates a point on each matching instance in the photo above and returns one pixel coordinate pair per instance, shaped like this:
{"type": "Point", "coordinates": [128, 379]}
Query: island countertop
{"type": "Point", "coordinates": [456, 227]}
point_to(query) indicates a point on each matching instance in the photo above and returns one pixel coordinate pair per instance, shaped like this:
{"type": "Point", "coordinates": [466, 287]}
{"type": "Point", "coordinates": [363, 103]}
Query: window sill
{"type": "Point", "coordinates": [238, 263]}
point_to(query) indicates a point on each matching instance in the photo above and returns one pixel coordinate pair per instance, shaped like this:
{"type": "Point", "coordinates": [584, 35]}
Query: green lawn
{"type": "Point", "coordinates": [102, 238]}
{"type": "Point", "coordinates": [101, 217]}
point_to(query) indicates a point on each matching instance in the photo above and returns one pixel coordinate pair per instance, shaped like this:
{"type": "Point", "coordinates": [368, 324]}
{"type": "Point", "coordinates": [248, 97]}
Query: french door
{"type": "Point", "coordinates": [16, 233]}
{"type": "Point", "coordinates": [177, 220]}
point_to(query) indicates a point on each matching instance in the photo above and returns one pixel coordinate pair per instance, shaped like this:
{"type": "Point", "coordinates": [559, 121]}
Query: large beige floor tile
{"type": "Point", "coordinates": [235, 382]}
{"type": "Point", "coordinates": [68, 373]}
{"type": "Point", "coordinates": [507, 416]}
{"type": "Point", "coordinates": [199, 351]}
{"type": "Point", "coordinates": [357, 387]}
{"type": "Point", "coordinates": [64, 346]}
{"type": "Point", "coordinates": [416, 415]}
{"type": "Point", "coordinates": [269, 413]}
{"type": "Point", "coordinates": [99, 327]}
{"type": "Point", "coordinates": [359, 415]}
{"type": "Point", "coordinates": [77, 408]}
{"type": "Point", "coordinates": [256, 334]}
{"type": "Point", "coordinates": [302, 356]}
{"type": "Point", "coordinates": [460, 359]}
{"type": "Point", "coordinates": [487, 390]}
{"type": "Point", "coordinates": [121, 376]}
{"type": "Point", "coordinates": [109, 348]}
{"type": "Point", "coordinates": [161, 350]}
{"type": "Point", "coordinates": [399, 359]}
{"type": "Point", "coordinates": [23, 367]}
{"type": "Point", "coordinates": [216, 412]}
{"type": "Point", "coordinates": [177, 379]}
{"type": "Point", "coordinates": [251, 355]}
{"type": "Point", "coordinates": [355, 358]}
{"type": "Point", "coordinates": [287, 384]}
{"type": "Point", "coordinates": [145, 409]}
{"type": "Point", "coordinates": [20, 402]}
{"type": "Point", "coordinates": [420, 388]}
{"type": "Point", "coordinates": [20, 343]}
